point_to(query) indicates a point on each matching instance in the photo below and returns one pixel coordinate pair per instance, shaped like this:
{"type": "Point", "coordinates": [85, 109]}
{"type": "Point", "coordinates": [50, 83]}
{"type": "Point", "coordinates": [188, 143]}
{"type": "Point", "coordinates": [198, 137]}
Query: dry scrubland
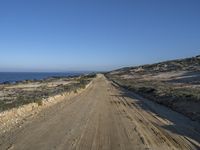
{"type": "Point", "coordinates": [24, 100]}
{"type": "Point", "coordinates": [104, 116]}
{"type": "Point", "coordinates": [66, 115]}
{"type": "Point", "coordinates": [25, 92]}
{"type": "Point", "coordinates": [175, 84]}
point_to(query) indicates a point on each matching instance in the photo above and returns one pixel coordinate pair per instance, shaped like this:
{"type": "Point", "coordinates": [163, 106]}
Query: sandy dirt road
{"type": "Point", "coordinates": [105, 117]}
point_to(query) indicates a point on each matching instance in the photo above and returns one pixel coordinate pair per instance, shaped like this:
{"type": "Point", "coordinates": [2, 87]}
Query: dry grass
{"type": "Point", "coordinates": [15, 95]}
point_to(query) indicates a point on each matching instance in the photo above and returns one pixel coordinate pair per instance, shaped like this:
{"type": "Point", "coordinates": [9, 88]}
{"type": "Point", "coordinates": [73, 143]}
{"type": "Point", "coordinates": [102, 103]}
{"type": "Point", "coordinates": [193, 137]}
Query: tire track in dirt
{"type": "Point", "coordinates": [104, 117]}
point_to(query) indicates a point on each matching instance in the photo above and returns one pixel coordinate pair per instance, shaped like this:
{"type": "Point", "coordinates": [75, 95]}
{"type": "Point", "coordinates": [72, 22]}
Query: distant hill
{"type": "Point", "coordinates": [186, 64]}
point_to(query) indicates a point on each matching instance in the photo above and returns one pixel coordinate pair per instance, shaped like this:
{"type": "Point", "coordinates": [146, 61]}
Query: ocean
{"type": "Point", "coordinates": [12, 77]}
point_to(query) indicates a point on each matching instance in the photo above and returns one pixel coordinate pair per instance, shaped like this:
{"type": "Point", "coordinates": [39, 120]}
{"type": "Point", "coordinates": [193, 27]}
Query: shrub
{"type": "Point", "coordinates": [40, 102]}
{"type": "Point", "coordinates": [75, 91]}
{"type": "Point", "coordinates": [146, 89]}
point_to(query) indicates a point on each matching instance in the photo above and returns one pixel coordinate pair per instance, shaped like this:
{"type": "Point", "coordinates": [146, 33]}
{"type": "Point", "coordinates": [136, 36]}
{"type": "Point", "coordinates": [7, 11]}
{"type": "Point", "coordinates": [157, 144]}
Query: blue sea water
{"type": "Point", "coordinates": [20, 76]}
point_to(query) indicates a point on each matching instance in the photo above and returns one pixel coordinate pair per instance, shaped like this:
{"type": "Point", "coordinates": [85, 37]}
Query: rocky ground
{"type": "Point", "coordinates": [26, 99]}
{"type": "Point", "coordinates": [25, 92]}
{"type": "Point", "coordinates": [105, 116]}
{"type": "Point", "coordinates": [175, 84]}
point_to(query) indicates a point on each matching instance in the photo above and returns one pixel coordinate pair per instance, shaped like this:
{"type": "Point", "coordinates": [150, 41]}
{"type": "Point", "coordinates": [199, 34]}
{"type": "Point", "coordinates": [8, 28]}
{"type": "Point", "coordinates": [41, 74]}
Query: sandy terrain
{"type": "Point", "coordinates": [15, 117]}
{"type": "Point", "coordinates": [105, 117]}
{"type": "Point", "coordinates": [14, 95]}
{"type": "Point", "coordinates": [176, 89]}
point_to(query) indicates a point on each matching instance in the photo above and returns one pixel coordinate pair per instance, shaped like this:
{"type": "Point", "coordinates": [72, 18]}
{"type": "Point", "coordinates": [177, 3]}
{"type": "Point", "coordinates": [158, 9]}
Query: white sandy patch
{"type": "Point", "coordinates": [168, 75]}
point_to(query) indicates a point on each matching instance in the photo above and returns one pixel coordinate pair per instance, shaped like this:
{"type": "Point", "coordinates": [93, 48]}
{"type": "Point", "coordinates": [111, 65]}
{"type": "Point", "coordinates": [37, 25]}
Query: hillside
{"type": "Point", "coordinates": [174, 83]}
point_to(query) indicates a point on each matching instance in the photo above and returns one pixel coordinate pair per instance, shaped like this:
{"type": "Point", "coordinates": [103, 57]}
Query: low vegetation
{"type": "Point", "coordinates": [25, 92]}
{"type": "Point", "coordinates": [175, 84]}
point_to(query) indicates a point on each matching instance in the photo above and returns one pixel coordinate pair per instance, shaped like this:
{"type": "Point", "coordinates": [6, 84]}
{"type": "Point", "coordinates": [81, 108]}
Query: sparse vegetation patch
{"type": "Point", "coordinates": [175, 84]}
{"type": "Point", "coordinates": [21, 93]}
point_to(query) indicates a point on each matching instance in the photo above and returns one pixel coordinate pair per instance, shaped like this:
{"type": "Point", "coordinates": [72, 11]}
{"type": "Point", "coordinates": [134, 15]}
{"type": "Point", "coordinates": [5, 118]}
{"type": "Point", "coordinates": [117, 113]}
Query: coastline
{"type": "Point", "coordinates": [15, 117]}
{"type": "Point", "coordinates": [18, 77]}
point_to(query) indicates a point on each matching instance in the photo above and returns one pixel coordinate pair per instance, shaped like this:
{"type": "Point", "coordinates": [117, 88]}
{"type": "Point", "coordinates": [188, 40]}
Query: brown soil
{"type": "Point", "coordinates": [105, 116]}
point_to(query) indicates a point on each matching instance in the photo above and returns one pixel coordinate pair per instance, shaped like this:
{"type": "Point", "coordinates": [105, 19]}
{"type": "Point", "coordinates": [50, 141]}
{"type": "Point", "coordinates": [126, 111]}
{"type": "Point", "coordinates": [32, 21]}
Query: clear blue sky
{"type": "Point", "coordinates": [63, 35]}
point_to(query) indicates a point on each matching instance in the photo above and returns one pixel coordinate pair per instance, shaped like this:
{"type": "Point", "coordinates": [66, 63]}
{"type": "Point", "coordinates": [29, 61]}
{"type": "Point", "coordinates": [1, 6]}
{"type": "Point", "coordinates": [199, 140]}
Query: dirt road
{"type": "Point", "coordinates": [105, 117]}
